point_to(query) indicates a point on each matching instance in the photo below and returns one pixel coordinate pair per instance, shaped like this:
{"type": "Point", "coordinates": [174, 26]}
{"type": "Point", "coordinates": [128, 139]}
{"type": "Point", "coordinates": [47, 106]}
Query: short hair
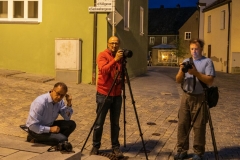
{"type": "Point", "coordinates": [195, 41]}
{"type": "Point", "coordinates": [63, 85]}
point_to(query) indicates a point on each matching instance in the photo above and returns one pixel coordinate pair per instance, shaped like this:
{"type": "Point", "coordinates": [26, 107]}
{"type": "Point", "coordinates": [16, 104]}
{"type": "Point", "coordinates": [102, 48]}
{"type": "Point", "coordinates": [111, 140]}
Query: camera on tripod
{"type": "Point", "coordinates": [186, 65]}
{"type": "Point", "coordinates": [127, 53]}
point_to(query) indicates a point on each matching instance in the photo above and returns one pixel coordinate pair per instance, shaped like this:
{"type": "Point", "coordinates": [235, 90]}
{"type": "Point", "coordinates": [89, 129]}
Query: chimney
{"type": "Point", "coordinates": [161, 6]}
{"type": "Point", "coordinates": [178, 6]}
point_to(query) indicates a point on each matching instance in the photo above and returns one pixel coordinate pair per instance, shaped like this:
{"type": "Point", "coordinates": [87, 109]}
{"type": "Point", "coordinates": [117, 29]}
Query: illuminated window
{"type": "Point", "coordinates": [164, 40]}
{"type": "Point", "coordinates": [21, 10]}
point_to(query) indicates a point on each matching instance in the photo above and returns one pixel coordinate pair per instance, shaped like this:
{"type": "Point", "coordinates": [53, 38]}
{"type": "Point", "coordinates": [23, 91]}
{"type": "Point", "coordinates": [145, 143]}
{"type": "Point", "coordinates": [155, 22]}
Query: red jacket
{"type": "Point", "coordinates": [107, 69]}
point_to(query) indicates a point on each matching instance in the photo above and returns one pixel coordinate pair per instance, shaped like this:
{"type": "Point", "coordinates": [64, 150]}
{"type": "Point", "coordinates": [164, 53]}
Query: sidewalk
{"type": "Point", "coordinates": [157, 99]}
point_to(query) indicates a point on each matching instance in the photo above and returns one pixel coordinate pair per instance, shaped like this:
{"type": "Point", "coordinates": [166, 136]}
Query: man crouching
{"type": "Point", "coordinates": [44, 110]}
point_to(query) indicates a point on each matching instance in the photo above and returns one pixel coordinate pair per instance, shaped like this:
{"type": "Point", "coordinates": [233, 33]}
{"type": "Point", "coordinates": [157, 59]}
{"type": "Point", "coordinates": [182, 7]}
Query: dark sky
{"type": "Point", "coordinates": [171, 3]}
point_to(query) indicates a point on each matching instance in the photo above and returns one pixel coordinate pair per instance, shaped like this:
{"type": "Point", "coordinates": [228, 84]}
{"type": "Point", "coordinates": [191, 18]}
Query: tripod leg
{"type": "Point", "coordinates": [212, 134]}
{"type": "Point", "coordinates": [133, 102]}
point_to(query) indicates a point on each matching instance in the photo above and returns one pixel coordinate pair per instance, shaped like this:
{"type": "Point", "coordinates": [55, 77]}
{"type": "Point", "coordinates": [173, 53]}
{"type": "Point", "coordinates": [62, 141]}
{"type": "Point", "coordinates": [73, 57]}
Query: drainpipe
{"type": "Point", "coordinates": [94, 47]}
{"type": "Point", "coordinates": [228, 40]}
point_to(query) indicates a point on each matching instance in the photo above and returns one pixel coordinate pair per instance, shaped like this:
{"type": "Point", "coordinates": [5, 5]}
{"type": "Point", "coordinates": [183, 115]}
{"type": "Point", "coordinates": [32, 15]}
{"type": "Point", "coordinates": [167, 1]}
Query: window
{"type": "Point", "coordinates": [21, 10]}
{"type": "Point", "coordinates": [222, 25]}
{"type": "Point", "coordinates": [141, 20]}
{"type": "Point", "coordinates": [126, 14]}
{"type": "Point", "coordinates": [187, 35]}
{"type": "Point", "coordinates": [209, 24]}
{"type": "Point", "coordinates": [164, 40]}
{"type": "Point", "coordinates": [209, 51]}
{"type": "Point", "coordinates": [151, 40]}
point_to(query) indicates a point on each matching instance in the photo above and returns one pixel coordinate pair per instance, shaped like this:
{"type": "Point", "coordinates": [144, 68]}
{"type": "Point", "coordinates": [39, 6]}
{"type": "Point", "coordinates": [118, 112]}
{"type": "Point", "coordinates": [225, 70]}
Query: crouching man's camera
{"type": "Point", "coordinates": [65, 146]}
{"type": "Point", "coordinates": [127, 53]}
{"type": "Point", "coordinates": [186, 65]}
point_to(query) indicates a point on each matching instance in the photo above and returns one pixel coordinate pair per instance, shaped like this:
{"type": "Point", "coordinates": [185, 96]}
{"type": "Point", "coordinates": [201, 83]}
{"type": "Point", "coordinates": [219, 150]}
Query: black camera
{"type": "Point", "coordinates": [186, 65]}
{"type": "Point", "coordinates": [127, 53]}
{"type": "Point", "coordinates": [65, 146]}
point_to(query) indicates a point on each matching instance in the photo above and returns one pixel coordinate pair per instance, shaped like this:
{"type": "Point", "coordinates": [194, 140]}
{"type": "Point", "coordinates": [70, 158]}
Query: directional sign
{"type": "Point", "coordinates": [104, 3]}
{"type": "Point", "coordinates": [99, 9]}
{"type": "Point", "coordinates": [117, 18]}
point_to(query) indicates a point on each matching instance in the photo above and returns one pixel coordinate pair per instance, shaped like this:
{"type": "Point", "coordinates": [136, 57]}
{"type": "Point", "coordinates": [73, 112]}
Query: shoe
{"type": "Point", "coordinates": [181, 156]}
{"type": "Point", "coordinates": [118, 153]}
{"type": "Point", "coordinates": [196, 157]}
{"type": "Point", "coordinates": [31, 139]}
{"type": "Point", "coordinates": [94, 151]}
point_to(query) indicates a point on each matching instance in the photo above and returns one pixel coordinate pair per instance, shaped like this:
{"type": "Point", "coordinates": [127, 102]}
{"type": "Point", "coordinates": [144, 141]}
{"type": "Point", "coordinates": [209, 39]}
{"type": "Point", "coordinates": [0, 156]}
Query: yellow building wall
{"type": "Point", "coordinates": [235, 32]}
{"type": "Point", "coordinates": [31, 47]}
{"type": "Point", "coordinates": [217, 38]}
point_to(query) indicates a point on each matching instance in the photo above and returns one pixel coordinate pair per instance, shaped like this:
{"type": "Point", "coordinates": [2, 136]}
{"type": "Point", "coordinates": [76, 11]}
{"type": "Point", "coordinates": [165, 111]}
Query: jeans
{"type": "Point", "coordinates": [112, 103]}
{"type": "Point", "coordinates": [66, 128]}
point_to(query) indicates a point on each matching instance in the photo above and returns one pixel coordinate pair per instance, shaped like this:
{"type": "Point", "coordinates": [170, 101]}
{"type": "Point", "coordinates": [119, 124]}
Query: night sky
{"type": "Point", "coordinates": [171, 3]}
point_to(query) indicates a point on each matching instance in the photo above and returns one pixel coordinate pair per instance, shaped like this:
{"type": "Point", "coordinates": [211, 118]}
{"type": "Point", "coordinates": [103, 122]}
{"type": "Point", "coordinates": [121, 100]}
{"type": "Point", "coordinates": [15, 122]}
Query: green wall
{"type": "Point", "coordinates": [31, 47]}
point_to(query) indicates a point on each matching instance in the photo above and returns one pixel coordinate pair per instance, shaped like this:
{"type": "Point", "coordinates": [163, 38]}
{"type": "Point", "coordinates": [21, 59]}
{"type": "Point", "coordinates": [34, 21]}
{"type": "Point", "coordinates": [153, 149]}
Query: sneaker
{"type": "Point", "coordinates": [94, 151]}
{"type": "Point", "coordinates": [118, 153]}
{"type": "Point", "coordinates": [181, 156]}
{"type": "Point", "coordinates": [196, 157]}
{"type": "Point", "coordinates": [30, 139]}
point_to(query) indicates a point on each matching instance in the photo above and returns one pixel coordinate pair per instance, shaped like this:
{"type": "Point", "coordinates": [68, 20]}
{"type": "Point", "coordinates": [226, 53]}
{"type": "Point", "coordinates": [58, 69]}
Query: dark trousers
{"type": "Point", "coordinates": [66, 128]}
{"type": "Point", "coordinates": [188, 108]}
{"type": "Point", "coordinates": [113, 104]}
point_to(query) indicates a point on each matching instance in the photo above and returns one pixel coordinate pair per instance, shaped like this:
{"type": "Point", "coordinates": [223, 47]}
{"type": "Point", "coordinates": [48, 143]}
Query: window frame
{"type": "Point", "coordinates": [10, 9]}
{"type": "Point", "coordinates": [126, 14]}
{"type": "Point", "coordinates": [151, 40]}
{"type": "Point", "coordinates": [141, 21]}
{"type": "Point", "coordinates": [209, 24]}
{"type": "Point", "coordinates": [222, 19]}
{"type": "Point", "coordinates": [187, 35]}
{"type": "Point", "coordinates": [164, 40]}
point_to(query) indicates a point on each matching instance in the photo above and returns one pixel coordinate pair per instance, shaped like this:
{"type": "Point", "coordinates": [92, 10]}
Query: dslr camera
{"type": "Point", "coordinates": [127, 53]}
{"type": "Point", "coordinates": [186, 65]}
{"type": "Point", "coordinates": [65, 146]}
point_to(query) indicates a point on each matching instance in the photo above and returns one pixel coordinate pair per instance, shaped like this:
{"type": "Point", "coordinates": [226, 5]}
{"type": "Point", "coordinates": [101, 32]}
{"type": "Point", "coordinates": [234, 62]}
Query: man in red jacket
{"type": "Point", "coordinates": [109, 64]}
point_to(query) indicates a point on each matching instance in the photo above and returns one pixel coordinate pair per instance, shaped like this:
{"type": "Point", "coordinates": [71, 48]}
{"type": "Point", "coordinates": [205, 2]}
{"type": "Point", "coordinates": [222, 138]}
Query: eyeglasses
{"type": "Point", "coordinates": [112, 43]}
{"type": "Point", "coordinates": [59, 94]}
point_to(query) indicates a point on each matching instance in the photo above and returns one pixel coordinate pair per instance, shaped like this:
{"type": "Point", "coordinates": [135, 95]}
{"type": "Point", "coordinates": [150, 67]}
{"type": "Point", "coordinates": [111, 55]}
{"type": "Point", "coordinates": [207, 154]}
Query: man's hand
{"type": "Point", "coordinates": [54, 129]}
{"type": "Point", "coordinates": [118, 55]}
{"type": "Point", "coordinates": [68, 99]}
{"type": "Point", "coordinates": [193, 71]}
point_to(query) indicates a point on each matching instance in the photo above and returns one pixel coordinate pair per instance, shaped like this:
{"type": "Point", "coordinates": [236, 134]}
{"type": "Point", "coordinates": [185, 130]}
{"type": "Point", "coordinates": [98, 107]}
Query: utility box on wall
{"type": "Point", "coordinates": [68, 59]}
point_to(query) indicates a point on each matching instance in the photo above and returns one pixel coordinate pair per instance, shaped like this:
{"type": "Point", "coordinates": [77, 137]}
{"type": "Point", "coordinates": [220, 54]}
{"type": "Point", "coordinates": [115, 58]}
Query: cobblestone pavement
{"type": "Point", "coordinates": [157, 98]}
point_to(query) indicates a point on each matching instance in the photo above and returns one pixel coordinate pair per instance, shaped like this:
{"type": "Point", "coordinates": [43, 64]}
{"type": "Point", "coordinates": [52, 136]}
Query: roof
{"type": "Point", "coordinates": [216, 4]}
{"type": "Point", "coordinates": [165, 46]}
{"type": "Point", "coordinates": [167, 21]}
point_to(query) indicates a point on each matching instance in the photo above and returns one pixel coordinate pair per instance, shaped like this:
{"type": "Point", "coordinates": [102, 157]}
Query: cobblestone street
{"type": "Point", "coordinates": [157, 98]}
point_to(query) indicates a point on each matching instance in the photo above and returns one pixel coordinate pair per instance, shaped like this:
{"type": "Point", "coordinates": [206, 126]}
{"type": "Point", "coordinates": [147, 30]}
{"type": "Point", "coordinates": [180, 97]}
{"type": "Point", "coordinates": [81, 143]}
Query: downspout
{"type": "Point", "coordinates": [94, 47]}
{"type": "Point", "coordinates": [228, 40]}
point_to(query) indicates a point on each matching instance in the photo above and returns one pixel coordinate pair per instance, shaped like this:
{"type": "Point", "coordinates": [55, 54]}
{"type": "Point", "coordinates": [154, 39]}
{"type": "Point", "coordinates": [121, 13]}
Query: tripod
{"type": "Point", "coordinates": [203, 104]}
{"type": "Point", "coordinates": [123, 75]}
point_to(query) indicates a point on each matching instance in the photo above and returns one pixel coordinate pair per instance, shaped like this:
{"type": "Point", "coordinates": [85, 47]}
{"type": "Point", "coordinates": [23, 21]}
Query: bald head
{"type": "Point", "coordinates": [113, 44]}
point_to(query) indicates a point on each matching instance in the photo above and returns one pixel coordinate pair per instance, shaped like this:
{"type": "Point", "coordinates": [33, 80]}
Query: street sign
{"type": "Point", "coordinates": [104, 3]}
{"type": "Point", "coordinates": [99, 9]}
{"type": "Point", "coordinates": [117, 18]}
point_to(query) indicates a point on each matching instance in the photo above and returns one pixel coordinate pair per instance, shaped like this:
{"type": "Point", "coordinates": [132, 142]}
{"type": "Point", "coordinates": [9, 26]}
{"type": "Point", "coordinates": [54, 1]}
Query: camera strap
{"type": "Point", "coordinates": [194, 78]}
